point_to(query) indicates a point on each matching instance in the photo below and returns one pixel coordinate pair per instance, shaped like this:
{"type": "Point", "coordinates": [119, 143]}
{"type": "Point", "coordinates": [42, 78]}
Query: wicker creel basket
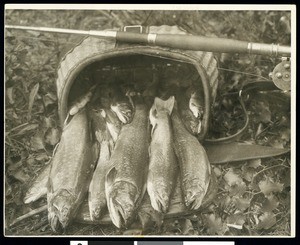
{"type": "Point", "coordinates": [96, 60]}
{"type": "Point", "coordinates": [100, 58]}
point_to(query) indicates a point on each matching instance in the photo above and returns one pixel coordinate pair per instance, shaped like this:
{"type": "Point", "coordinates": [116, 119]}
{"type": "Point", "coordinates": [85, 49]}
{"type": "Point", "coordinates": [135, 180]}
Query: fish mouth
{"type": "Point", "coordinates": [95, 213]}
{"type": "Point", "coordinates": [61, 210]}
{"type": "Point", "coordinates": [195, 127]}
{"type": "Point", "coordinates": [96, 210]}
{"type": "Point", "coordinates": [55, 224]}
{"type": "Point", "coordinates": [160, 202]}
{"type": "Point", "coordinates": [121, 203]}
{"type": "Point", "coordinates": [121, 212]}
{"type": "Point", "coordinates": [159, 199]}
{"type": "Point", "coordinates": [123, 111]}
{"type": "Point", "coordinates": [194, 200]}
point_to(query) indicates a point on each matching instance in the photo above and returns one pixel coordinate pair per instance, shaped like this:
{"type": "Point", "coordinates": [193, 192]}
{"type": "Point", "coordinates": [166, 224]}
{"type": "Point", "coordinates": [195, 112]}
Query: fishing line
{"type": "Point", "coordinates": [245, 73]}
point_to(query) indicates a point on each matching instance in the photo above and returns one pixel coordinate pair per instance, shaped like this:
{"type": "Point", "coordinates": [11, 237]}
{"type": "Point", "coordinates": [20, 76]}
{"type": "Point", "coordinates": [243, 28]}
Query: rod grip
{"type": "Point", "coordinates": [209, 44]}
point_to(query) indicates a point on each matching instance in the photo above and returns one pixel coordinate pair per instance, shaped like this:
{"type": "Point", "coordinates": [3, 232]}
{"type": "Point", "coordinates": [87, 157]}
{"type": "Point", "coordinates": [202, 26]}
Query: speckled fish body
{"type": "Point", "coordinates": [162, 165]}
{"type": "Point", "coordinates": [125, 181]}
{"type": "Point", "coordinates": [195, 168]}
{"type": "Point", "coordinates": [71, 171]}
{"type": "Point", "coordinates": [97, 198]}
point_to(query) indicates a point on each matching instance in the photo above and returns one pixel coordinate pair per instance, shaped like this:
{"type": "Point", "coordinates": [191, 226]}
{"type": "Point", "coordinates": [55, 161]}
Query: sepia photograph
{"type": "Point", "coordinates": [149, 120]}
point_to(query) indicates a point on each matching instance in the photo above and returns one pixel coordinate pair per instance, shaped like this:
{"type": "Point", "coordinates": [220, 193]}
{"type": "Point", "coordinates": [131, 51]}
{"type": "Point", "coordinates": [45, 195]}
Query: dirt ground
{"type": "Point", "coordinates": [254, 197]}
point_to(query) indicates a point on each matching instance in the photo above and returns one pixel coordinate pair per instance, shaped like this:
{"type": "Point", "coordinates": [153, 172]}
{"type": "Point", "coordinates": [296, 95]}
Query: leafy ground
{"type": "Point", "coordinates": [253, 197]}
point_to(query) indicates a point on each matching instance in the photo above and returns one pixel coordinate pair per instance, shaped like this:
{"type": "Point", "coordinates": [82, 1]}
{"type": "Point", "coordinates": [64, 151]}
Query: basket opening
{"type": "Point", "coordinates": [139, 71]}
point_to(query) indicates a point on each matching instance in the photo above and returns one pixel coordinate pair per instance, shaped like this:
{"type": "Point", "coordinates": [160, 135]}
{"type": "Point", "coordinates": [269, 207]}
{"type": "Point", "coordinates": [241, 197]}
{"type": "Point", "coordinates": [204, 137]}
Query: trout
{"type": "Point", "coordinates": [123, 107]}
{"type": "Point", "coordinates": [162, 166]}
{"type": "Point", "coordinates": [38, 188]}
{"type": "Point", "coordinates": [193, 161]}
{"type": "Point", "coordinates": [196, 105]}
{"type": "Point", "coordinates": [71, 170]}
{"type": "Point", "coordinates": [113, 123]}
{"type": "Point", "coordinates": [186, 110]}
{"type": "Point", "coordinates": [125, 181]}
{"type": "Point", "coordinates": [121, 103]}
{"type": "Point", "coordinates": [96, 198]}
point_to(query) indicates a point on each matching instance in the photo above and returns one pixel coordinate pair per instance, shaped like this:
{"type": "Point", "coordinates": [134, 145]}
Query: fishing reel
{"type": "Point", "coordinates": [281, 74]}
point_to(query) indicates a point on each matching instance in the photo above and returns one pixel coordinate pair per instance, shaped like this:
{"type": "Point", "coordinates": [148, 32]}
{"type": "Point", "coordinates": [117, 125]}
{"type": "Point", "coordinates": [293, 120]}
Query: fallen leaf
{"type": "Point", "coordinates": [267, 220]}
{"type": "Point", "coordinates": [267, 186]}
{"type": "Point", "coordinates": [263, 112]}
{"type": "Point", "coordinates": [242, 203]}
{"type": "Point", "coordinates": [21, 176]}
{"type": "Point", "coordinates": [232, 178]}
{"type": "Point", "coordinates": [285, 134]}
{"type": "Point", "coordinates": [37, 141]}
{"type": "Point", "coordinates": [187, 227]}
{"type": "Point", "coordinates": [215, 225]}
{"type": "Point", "coordinates": [270, 203]}
{"type": "Point", "coordinates": [238, 189]}
{"type": "Point", "coordinates": [52, 136]}
{"type": "Point", "coordinates": [276, 144]}
{"type": "Point", "coordinates": [42, 157]}
{"type": "Point", "coordinates": [236, 221]}
{"type": "Point", "coordinates": [217, 171]}
{"type": "Point", "coordinates": [248, 172]}
{"type": "Point", "coordinates": [49, 99]}
{"type": "Point", "coordinates": [255, 163]}
{"type": "Point", "coordinates": [133, 232]}
{"type": "Point", "coordinates": [32, 96]}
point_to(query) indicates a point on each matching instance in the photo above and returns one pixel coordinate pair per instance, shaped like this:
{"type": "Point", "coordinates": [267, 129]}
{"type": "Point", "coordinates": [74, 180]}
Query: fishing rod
{"type": "Point", "coordinates": [187, 42]}
{"type": "Point", "coordinates": [281, 74]}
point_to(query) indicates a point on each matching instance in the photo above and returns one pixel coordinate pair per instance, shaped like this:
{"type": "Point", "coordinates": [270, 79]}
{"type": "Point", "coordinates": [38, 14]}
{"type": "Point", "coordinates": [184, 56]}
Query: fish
{"type": "Point", "coordinates": [196, 105]}
{"type": "Point", "coordinates": [38, 188]}
{"type": "Point", "coordinates": [121, 103]}
{"type": "Point", "coordinates": [162, 165]}
{"type": "Point", "coordinates": [113, 123]}
{"type": "Point", "coordinates": [96, 196]}
{"type": "Point", "coordinates": [123, 107]}
{"type": "Point", "coordinates": [194, 165]}
{"type": "Point", "coordinates": [82, 101]}
{"type": "Point", "coordinates": [187, 108]}
{"type": "Point", "coordinates": [72, 167]}
{"type": "Point", "coordinates": [125, 182]}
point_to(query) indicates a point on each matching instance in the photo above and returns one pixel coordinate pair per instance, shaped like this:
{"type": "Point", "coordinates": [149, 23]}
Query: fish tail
{"type": "Point", "coordinates": [168, 104]}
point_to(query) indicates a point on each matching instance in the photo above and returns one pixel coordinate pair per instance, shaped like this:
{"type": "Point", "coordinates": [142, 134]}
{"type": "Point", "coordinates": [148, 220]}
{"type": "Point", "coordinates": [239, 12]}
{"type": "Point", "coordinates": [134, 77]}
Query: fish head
{"type": "Point", "coordinates": [193, 199]}
{"type": "Point", "coordinates": [122, 202]}
{"type": "Point", "coordinates": [194, 125]}
{"type": "Point", "coordinates": [112, 118]}
{"type": "Point", "coordinates": [95, 212]}
{"type": "Point", "coordinates": [196, 107]}
{"type": "Point", "coordinates": [96, 206]}
{"type": "Point", "coordinates": [123, 111]}
{"type": "Point", "coordinates": [62, 209]}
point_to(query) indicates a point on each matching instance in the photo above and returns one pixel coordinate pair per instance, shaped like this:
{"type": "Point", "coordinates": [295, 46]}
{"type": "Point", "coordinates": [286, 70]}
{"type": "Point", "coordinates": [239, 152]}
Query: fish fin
{"type": "Point", "coordinates": [110, 177]}
{"type": "Point", "coordinates": [153, 116]}
{"type": "Point", "coordinates": [165, 104]}
{"type": "Point", "coordinates": [103, 113]}
{"type": "Point", "coordinates": [50, 185]}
